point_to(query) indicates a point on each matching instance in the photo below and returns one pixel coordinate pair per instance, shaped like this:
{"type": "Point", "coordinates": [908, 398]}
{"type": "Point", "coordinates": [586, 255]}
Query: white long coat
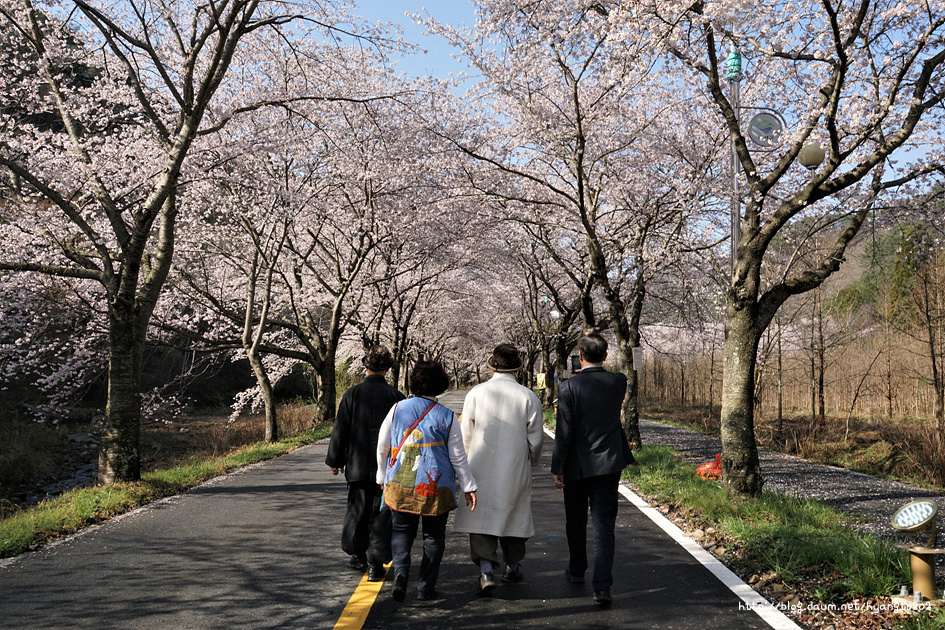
{"type": "Point", "coordinates": [502, 433]}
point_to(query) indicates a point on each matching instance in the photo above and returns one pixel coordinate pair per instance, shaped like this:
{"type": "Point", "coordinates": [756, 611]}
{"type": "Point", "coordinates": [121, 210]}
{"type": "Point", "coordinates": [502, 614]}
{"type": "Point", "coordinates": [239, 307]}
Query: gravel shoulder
{"type": "Point", "coordinates": [871, 499]}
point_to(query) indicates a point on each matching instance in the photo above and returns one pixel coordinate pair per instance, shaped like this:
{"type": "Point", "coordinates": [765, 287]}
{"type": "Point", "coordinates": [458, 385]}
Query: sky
{"type": "Point", "coordinates": [437, 61]}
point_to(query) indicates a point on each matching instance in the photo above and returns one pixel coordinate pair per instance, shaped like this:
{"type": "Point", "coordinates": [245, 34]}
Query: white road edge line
{"type": "Point", "coordinates": [753, 601]}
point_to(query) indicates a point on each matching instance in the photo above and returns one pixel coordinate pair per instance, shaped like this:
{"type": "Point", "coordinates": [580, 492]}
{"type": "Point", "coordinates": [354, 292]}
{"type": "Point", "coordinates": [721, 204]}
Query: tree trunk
{"type": "Point", "coordinates": [265, 388]}
{"type": "Point", "coordinates": [821, 397]}
{"type": "Point", "coordinates": [780, 386]}
{"type": "Point", "coordinates": [548, 394]}
{"type": "Point", "coordinates": [712, 381]}
{"type": "Point", "coordinates": [325, 408]}
{"type": "Point", "coordinates": [822, 364]}
{"type": "Point", "coordinates": [813, 391]}
{"type": "Point", "coordinates": [741, 469]}
{"type": "Point", "coordinates": [629, 411]}
{"type": "Point", "coordinates": [119, 457]}
{"type": "Point", "coordinates": [625, 323]}
{"type": "Point", "coordinates": [129, 313]}
{"type": "Point", "coordinates": [253, 333]}
{"type": "Point", "coordinates": [399, 351]}
{"type": "Point", "coordinates": [526, 375]}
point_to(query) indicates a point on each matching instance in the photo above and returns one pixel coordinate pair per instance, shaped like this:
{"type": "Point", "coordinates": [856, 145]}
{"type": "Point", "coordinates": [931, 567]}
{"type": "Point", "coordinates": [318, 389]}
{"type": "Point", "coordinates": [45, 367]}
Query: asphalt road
{"type": "Point", "coordinates": [261, 549]}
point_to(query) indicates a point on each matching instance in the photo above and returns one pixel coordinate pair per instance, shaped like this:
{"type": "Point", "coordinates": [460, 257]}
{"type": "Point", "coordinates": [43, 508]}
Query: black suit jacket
{"type": "Point", "coordinates": [589, 439]}
{"type": "Point", "coordinates": [353, 444]}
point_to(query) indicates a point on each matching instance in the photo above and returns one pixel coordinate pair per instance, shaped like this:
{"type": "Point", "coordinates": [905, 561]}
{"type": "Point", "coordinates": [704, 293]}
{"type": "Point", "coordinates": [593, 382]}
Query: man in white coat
{"type": "Point", "coordinates": [502, 432]}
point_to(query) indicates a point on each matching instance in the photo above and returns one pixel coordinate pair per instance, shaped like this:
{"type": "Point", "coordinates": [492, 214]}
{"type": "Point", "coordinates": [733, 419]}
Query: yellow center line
{"type": "Point", "coordinates": [356, 611]}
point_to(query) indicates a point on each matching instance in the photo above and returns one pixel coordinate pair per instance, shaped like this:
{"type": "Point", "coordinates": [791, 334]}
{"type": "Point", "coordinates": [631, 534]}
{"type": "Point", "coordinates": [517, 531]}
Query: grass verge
{"type": "Point", "coordinates": [809, 546]}
{"type": "Point", "coordinates": [78, 508]}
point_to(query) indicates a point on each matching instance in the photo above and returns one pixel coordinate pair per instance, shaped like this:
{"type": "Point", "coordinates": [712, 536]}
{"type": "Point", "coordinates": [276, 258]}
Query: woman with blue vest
{"type": "Point", "coordinates": [421, 462]}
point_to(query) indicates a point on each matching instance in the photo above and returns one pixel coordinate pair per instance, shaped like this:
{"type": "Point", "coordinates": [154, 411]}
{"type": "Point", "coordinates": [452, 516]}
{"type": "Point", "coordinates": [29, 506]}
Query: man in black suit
{"type": "Point", "coordinates": [590, 452]}
{"type": "Point", "coordinates": [366, 530]}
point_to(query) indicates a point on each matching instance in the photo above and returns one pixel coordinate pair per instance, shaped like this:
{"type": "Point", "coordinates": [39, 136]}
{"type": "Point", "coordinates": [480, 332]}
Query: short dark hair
{"type": "Point", "coordinates": [593, 348]}
{"type": "Point", "coordinates": [428, 378]}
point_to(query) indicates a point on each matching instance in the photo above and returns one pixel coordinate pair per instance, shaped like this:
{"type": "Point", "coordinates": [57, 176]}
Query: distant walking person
{"type": "Point", "coordinates": [502, 433]}
{"type": "Point", "coordinates": [366, 531]}
{"type": "Point", "coordinates": [421, 462]}
{"type": "Point", "coordinates": [590, 451]}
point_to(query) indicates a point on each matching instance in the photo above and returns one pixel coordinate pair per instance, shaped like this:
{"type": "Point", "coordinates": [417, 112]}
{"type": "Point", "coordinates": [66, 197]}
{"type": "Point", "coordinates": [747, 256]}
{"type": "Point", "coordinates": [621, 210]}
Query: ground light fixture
{"type": "Point", "coordinates": [918, 517]}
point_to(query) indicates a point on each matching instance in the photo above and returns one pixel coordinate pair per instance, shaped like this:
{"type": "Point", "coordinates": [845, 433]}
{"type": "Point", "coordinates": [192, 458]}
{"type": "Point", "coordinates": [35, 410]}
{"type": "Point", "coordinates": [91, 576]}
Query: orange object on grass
{"type": "Point", "coordinates": [711, 470]}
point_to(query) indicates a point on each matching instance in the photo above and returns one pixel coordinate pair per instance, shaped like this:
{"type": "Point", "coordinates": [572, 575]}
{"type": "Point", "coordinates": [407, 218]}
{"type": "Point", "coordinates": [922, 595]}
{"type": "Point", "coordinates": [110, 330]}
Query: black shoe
{"type": "Point", "coordinates": [376, 573]}
{"type": "Point", "coordinates": [574, 579]}
{"type": "Point", "coordinates": [425, 596]}
{"type": "Point", "coordinates": [602, 598]}
{"type": "Point", "coordinates": [486, 584]}
{"type": "Point", "coordinates": [399, 592]}
{"type": "Point", "coordinates": [512, 576]}
{"type": "Point", "coordinates": [357, 563]}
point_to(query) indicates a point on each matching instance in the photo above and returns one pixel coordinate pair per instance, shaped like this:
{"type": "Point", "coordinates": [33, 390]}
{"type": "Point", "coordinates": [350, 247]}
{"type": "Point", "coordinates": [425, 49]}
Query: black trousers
{"type": "Point", "coordinates": [367, 528]}
{"type": "Point", "coordinates": [405, 528]}
{"type": "Point", "coordinates": [600, 495]}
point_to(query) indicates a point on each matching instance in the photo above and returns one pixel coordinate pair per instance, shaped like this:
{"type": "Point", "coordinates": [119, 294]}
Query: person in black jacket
{"type": "Point", "coordinates": [366, 531]}
{"type": "Point", "coordinates": [590, 451]}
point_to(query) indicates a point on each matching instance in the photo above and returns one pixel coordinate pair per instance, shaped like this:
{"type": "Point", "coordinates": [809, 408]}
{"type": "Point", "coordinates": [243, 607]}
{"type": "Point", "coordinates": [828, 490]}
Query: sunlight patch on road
{"type": "Point", "coordinates": [356, 611]}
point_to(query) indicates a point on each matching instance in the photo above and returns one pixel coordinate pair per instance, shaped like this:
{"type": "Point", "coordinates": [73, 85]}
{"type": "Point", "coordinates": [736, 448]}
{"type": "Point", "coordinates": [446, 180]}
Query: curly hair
{"type": "Point", "coordinates": [428, 378]}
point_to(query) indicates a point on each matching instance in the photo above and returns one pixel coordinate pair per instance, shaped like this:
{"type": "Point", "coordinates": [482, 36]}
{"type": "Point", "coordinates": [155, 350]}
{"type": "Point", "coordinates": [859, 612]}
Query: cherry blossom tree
{"type": "Point", "coordinates": [92, 168]}
{"type": "Point", "coordinates": [53, 341]}
{"type": "Point", "coordinates": [557, 292]}
{"type": "Point", "coordinates": [260, 276]}
{"type": "Point", "coordinates": [346, 194]}
{"type": "Point", "coordinates": [863, 80]}
{"type": "Point", "coordinates": [401, 301]}
{"type": "Point", "coordinates": [451, 296]}
{"type": "Point", "coordinates": [313, 223]}
{"type": "Point", "coordinates": [581, 127]}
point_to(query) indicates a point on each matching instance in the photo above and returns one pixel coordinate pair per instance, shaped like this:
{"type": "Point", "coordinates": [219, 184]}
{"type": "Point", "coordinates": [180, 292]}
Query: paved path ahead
{"type": "Point", "coordinates": [261, 549]}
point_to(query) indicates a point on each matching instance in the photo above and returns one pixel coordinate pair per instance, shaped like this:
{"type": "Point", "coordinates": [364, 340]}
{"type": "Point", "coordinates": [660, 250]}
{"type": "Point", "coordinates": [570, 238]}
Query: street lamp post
{"type": "Point", "coordinates": [733, 66]}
